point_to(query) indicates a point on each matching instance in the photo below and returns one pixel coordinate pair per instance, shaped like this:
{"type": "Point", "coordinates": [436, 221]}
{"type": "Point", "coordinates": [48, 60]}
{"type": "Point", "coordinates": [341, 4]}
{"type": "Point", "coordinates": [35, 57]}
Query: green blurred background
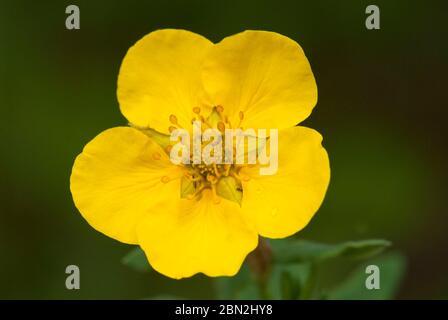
{"type": "Point", "coordinates": [381, 110]}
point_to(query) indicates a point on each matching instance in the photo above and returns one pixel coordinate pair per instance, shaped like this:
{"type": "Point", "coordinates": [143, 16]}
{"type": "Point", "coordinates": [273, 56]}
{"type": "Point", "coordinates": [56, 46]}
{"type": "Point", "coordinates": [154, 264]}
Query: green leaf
{"type": "Point", "coordinates": [242, 286]}
{"type": "Point", "coordinates": [286, 251]}
{"type": "Point", "coordinates": [392, 267]}
{"type": "Point", "coordinates": [290, 289]}
{"type": "Point", "coordinates": [230, 189]}
{"type": "Point", "coordinates": [136, 259]}
{"type": "Point", "coordinates": [286, 281]}
{"type": "Point", "coordinates": [161, 139]}
{"type": "Point", "coordinates": [187, 187]}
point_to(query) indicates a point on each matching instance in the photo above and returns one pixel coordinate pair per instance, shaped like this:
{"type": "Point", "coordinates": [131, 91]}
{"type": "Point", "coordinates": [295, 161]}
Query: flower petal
{"type": "Point", "coordinates": [280, 205]}
{"type": "Point", "coordinates": [191, 236]}
{"type": "Point", "coordinates": [160, 76]}
{"type": "Point", "coordinates": [117, 179]}
{"type": "Point", "coordinates": [265, 75]}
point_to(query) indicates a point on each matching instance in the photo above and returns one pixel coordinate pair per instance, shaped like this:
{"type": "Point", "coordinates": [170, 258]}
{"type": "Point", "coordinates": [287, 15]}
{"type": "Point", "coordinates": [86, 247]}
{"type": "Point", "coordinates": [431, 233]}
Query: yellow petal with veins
{"type": "Point", "coordinates": [160, 77]}
{"type": "Point", "coordinates": [190, 236]}
{"type": "Point", "coordinates": [280, 205]}
{"type": "Point", "coordinates": [264, 75]}
{"type": "Point", "coordinates": [116, 181]}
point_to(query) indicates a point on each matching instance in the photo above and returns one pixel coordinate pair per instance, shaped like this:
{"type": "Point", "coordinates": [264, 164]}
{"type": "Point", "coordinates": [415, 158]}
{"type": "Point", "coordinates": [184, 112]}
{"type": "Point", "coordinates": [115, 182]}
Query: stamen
{"type": "Point", "coordinates": [207, 176]}
{"type": "Point", "coordinates": [228, 122]}
{"type": "Point", "coordinates": [173, 119]}
{"type": "Point", "coordinates": [221, 126]}
{"type": "Point", "coordinates": [171, 129]}
{"type": "Point", "coordinates": [216, 198]}
{"type": "Point", "coordinates": [242, 178]}
{"type": "Point", "coordinates": [205, 121]}
{"type": "Point", "coordinates": [211, 178]}
{"type": "Point", "coordinates": [165, 179]}
{"type": "Point", "coordinates": [191, 196]}
{"type": "Point", "coordinates": [192, 178]}
{"type": "Point", "coordinates": [227, 168]}
{"type": "Point", "coordinates": [156, 156]}
{"type": "Point", "coordinates": [241, 116]}
{"type": "Point", "coordinates": [215, 168]}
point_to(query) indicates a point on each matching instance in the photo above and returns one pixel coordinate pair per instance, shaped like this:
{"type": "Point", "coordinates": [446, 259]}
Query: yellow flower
{"type": "Point", "coordinates": [126, 187]}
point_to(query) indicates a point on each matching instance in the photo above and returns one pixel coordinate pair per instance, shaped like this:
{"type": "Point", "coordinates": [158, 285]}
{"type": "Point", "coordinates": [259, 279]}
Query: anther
{"type": "Point", "coordinates": [241, 177]}
{"type": "Point", "coordinates": [197, 110]}
{"type": "Point", "coordinates": [191, 196]}
{"type": "Point", "coordinates": [173, 119]}
{"type": "Point", "coordinates": [171, 129]}
{"type": "Point", "coordinates": [221, 126]}
{"type": "Point", "coordinates": [156, 156]}
{"type": "Point", "coordinates": [211, 178]}
{"type": "Point", "coordinates": [204, 121]}
{"type": "Point", "coordinates": [220, 109]}
{"type": "Point", "coordinates": [192, 178]}
{"type": "Point", "coordinates": [165, 179]}
{"type": "Point", "coordinates": [168, 148]}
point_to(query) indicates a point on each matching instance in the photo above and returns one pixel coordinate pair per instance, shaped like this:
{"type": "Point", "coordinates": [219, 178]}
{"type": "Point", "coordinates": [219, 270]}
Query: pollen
{"type": "Point", "coordinates": [173, 119]}
{"type": "Point", "coordinates": [221, 126]}
{"type": "Point", "coordinates": [165, 179]}
{"type": "Point", "coordinates": [156, 156]}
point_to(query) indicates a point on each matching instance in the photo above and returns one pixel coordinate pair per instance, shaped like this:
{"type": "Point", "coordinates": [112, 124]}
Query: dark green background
{"type": "Point", "coordinates": [381, 109]}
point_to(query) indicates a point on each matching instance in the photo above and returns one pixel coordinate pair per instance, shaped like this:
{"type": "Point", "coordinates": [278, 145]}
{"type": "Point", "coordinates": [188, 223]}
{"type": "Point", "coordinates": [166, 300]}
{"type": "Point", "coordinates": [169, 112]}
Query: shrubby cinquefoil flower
{"type": "Point", "coordinates": [204, 218]}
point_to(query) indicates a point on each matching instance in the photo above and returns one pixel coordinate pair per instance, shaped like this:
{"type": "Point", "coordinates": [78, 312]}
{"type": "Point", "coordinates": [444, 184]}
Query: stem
{"type": "Point", "coordinates": [259, 262]}
{"type": "Point", "coordinates": [310, 285]}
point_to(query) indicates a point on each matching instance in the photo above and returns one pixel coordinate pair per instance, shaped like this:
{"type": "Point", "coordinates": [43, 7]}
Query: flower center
{"type": "Point", "coordinates": [206, 174]}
